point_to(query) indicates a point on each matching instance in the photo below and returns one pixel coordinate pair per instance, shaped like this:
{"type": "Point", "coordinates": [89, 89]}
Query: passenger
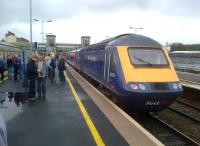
{"type": "Point", "coordinates": [9, 66]}
{"type": "Point", "coordinates": [41, 79]}
{"type": "Point", "coordinates": [61, 68]}
{"type": "Point", "coordinates": [2, 67]}
{"type": "Point", "coordinates": [16, 64]}
{"type": "Point", "coordinates": [32, 75]}
{"type": "Point", "coordinates": [52, 66]}
{"type": "Point", "coordinates": [47, 58]}
{"type": "Point", "coordinates": [3, 132]}
{"type": "Point", "coordinates": [20, 68]}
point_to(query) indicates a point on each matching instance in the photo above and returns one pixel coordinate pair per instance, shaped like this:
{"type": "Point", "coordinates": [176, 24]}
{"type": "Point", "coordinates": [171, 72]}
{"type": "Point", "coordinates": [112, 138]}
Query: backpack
{"type": "Point", "coordinates": [52, 64]}
{"type": "Point", "coordinates": [61, 65]}
{"type": "Point", "coordinates": [1, 64]}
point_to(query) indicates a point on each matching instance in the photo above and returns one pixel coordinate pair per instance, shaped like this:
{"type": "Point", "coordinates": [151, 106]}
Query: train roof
{"type": "Point", "coordinates": [133, 40]}
{"type": "Point", "coordinates": [124, 40]}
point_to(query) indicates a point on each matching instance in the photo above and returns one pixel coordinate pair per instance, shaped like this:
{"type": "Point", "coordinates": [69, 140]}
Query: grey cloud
{"type": "Point", "coordinates": [18, 10]}
{"type": "Point", "coordinates": [12, 11]}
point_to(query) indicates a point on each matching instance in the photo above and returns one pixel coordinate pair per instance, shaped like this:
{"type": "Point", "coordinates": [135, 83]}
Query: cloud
{"type": "Point", "coordinates": [12, 10]}
{"type": "Point", "coordinates": [79, 17]}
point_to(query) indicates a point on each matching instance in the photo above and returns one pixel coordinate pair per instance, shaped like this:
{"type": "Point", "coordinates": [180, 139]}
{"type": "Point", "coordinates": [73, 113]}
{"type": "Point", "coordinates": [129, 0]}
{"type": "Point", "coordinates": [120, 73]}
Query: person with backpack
{"type": "Point", "coordinates": [61, 68]}
{"type": "Point", "coordinates": [2, 66]}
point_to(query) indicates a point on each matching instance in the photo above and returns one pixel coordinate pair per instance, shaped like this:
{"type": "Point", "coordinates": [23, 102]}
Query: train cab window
{"type": "Point", "coordinates": [147, 57]}
{"type": "Point", "coordinates": [112, 64]}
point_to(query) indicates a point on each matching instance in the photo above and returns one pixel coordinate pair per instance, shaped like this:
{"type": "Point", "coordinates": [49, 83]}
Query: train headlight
{"type": "Point", "coordinates": [179, 85]}
{"type": "Point", "coordinates": [142, 87]}
{"type": "Point", "coordinates": [175, 86]}
{"type": "Point", "coordinates": [134, 86]}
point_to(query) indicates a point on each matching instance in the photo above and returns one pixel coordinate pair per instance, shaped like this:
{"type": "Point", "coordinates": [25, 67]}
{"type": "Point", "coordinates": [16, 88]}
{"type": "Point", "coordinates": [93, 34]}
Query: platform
{"type": "Point", "coordinates": [191, 80]}
{"type": "Point", "coordinates": [60, 121]}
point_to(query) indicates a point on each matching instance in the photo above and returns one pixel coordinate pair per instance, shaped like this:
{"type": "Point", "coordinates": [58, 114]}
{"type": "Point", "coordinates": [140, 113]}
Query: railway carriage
{"type": "Point", "coordinates": [137, 70]}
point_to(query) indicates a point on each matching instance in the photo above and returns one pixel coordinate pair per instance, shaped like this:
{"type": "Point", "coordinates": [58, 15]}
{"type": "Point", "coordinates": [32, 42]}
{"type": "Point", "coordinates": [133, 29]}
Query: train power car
{"type": "Point", "coordinates": [136, 68]}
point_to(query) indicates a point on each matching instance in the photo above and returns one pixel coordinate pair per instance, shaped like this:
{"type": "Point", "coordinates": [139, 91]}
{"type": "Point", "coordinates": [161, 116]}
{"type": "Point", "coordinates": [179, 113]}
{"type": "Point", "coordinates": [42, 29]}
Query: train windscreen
{"type": "Point", "coordinates": [147, 57]}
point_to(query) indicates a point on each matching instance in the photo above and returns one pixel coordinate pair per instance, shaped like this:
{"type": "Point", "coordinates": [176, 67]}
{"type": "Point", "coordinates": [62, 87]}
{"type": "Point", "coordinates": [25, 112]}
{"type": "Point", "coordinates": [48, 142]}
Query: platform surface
{"type": "Point", "coordinates": [57, 121]}
{"type": "Point", "coordinates": [189, 76]}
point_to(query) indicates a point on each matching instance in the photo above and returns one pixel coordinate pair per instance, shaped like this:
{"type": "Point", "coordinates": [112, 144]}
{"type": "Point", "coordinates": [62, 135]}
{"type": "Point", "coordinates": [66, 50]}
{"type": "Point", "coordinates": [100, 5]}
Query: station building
{"type": "Point", "coordinates": [49, 46]}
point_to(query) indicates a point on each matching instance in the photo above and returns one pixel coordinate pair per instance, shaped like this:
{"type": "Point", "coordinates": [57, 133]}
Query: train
{"type": "Point", "coordinates": [135, 68]}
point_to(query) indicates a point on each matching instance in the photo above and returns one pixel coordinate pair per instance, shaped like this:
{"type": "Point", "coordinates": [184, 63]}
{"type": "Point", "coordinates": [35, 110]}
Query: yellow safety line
{"type": "Point", "coordinates": [86, 116]}
{"type": "Point", "coordinates": [4, 80]}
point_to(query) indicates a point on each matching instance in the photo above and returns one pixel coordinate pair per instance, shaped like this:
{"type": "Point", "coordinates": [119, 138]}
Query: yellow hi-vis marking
{"type": "Point", "coordinates": [4, 80]}
{"type": "Point", "coordinates": [87, 118]}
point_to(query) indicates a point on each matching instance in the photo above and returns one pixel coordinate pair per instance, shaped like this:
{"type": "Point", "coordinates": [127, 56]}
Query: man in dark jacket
{"type": "Point", "coordinates": [61, 68]}
{"type": "Point", "coordinates": [16, 64]}
{"type": "Point", "coordinates": [32, 75]}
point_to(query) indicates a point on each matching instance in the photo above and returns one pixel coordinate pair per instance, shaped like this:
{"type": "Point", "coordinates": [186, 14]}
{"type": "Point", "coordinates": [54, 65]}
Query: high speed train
{"type": "Point", "coordinates": [135, 68]}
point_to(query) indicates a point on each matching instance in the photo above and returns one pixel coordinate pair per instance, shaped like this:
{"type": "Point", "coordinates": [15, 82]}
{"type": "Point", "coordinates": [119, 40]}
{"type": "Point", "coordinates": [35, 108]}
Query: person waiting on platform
{"type": "Point", "coordinates": [16, 65]}
{"type": "Point", "coordinates": [32, 75]}
{"type": "Point", "coordinates": [61, 68]}
{"type": "Point", "coordinates": [41, 78]}
{"type": "Point", "coordinates": [2, 66]}
{"type": "Point", "coordinates": [52, 66]}
{"type": "Point", "coordinates": [9, 66]}
{"type": "Point", "coordinates": [47, 58]}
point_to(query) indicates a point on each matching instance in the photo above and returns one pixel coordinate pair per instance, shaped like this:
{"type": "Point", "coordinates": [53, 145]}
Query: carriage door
{"type": "Point", "coordinates": [107, 67]}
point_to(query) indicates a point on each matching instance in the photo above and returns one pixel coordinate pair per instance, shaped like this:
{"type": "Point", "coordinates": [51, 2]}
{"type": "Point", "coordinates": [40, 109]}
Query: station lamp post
{"type": "Point", "coordinates": [136, 28]}
{"type": "Point", "coordinates": [31, 24]}
{"type": "Point", "coordinates": [43, 27]}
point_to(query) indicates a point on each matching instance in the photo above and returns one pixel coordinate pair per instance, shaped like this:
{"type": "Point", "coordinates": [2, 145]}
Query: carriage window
{"type": "Point", "coordinates": [147, 57]}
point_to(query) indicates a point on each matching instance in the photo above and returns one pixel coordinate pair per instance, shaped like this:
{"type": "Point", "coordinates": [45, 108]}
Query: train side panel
{"type": "Point", "coordinates": [92, 63]}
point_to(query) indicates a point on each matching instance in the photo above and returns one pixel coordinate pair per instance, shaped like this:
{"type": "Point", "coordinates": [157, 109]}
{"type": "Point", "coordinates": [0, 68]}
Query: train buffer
{"type": "Point", "coordinates": [73, 114]}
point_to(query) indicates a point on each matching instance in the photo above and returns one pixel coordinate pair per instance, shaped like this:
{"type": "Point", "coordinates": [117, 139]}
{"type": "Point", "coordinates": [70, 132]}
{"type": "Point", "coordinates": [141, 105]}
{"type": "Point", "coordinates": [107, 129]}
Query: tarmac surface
{"type": "Point", "coordinates": [56, 121]}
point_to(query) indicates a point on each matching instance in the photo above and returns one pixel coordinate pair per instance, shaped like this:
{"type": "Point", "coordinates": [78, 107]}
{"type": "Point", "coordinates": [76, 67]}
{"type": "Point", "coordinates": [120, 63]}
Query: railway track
{"type": "Point", "coordinates": [166, 133]}
{"type": "Point", "coordinates": [188, 104]}
{"type": "Point", "coordinates": [187, 114]}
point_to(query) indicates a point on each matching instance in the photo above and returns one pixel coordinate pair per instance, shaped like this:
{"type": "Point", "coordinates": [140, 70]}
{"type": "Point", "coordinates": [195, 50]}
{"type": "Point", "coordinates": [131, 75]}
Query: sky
{"type": "Point", "coordinates": [163, 20]}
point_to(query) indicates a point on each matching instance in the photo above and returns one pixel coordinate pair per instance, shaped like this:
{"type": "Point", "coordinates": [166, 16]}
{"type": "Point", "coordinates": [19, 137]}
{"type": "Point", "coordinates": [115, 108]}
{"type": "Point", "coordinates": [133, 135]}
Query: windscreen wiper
{"type": "Point", "coordinates": [144, 61]}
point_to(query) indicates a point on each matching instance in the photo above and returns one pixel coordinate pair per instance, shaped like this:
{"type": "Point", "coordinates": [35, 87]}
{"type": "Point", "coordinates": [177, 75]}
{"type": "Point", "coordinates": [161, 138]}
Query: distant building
{"type": "Point", "coordinates": [85, 40]}
{"type": "Point", "coordinates": [52, 46]}
{"type": "Point", "coordinates": [12, 39]}
{"type": "Point", "coordinates": [49, 46]}
{"type": "Point", "coordinates": [50, 43]}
